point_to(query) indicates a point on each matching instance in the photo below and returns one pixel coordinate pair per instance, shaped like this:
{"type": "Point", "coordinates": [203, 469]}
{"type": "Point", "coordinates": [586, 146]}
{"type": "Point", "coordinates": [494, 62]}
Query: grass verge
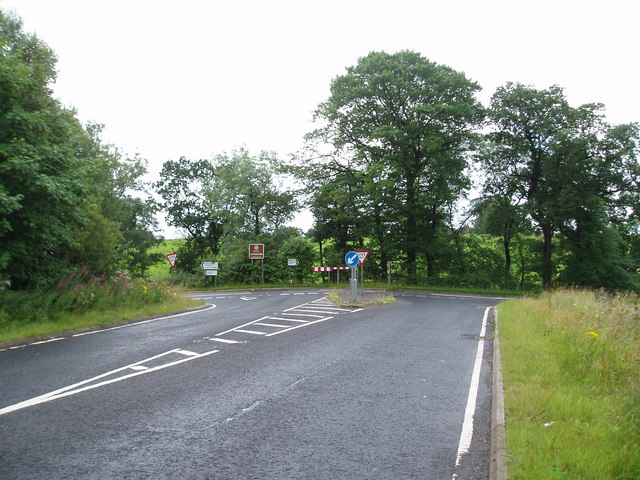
{"type": "Point", "coordinates": [571, 364]}
{"type": "Point", "coordinates": [74, 321]}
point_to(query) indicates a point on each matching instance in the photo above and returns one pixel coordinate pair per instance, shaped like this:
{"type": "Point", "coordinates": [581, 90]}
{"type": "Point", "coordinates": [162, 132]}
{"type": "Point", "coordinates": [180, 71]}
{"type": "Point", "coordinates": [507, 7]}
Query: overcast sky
{"type": "Point", "coordinates": [195, 78]}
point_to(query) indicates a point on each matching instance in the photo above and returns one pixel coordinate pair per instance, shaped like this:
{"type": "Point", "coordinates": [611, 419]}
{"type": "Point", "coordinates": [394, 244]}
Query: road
{"type": "Point", "coordinates": [259, 385]}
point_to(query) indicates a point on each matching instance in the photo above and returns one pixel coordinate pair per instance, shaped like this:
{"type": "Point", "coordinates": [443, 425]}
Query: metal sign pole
{"type": "Point", "coordinates": [354, 283]}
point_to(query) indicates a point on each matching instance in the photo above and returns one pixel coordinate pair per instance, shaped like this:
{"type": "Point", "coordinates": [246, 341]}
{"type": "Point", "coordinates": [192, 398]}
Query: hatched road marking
{"type": "Point", "coordinates": [177, 356]}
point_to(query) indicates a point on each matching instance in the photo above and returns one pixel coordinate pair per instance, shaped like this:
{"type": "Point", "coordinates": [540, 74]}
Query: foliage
{"type": "Point", "coordinates": [572, 399]}
{"type": "Point", "coordinates": [400, 125]}
{"type": "Point", "coordinates": [566, 169]}
{"type": "Point", "coordinates": [64, 198]}
{"type": "Point", "coordinates": [79, 294]}
{"type": "Point", "coordinates": [232, 196]}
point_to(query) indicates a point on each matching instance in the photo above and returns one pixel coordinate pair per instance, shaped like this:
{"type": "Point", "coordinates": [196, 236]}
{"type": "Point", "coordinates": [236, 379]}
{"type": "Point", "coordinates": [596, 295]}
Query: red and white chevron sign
{"type": "Point", "coordinates": [327, 269]}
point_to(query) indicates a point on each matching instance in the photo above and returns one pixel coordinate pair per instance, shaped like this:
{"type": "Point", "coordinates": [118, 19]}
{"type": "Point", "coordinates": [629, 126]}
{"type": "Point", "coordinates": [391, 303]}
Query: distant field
{"type": "Point", "coordinates": [162, 270]}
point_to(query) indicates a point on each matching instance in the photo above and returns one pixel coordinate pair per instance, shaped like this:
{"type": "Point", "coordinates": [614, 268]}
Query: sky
{"type": "Point", "coordinates": [196, 78]}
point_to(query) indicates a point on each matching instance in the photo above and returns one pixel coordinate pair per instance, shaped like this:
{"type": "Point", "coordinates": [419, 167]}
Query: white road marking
{"type": "Point", "coordinates": [298, 326]}
{"type": "Point", "coordinates": [88, 384]}
{"type": "Point", "coordinates": [275, 325]}
{"type": "Point", "coordinates": [48, 341]}
{"type": "Point", "coordinates": [252, 332]}
{"type": "Point", "coordinates": [188, 353]}
{"type": "Point", "coordinates": [302, 314]}
{"type": "Point", "coordinates": [467, 426]}
{"type": "Point", "coordinates": [326, 309]}
{"type": "Point", "coordinates": [289, 319]}
{"type": "Point", "coordinates": [139, 368]}
{"type": "Point", "coordinates": [223, 340]}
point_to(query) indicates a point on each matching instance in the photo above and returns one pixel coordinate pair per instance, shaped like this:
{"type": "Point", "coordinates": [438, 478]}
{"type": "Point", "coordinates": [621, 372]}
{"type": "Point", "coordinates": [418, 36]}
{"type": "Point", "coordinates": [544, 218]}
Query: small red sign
{"type": "Point", "coordinates": [172, 259]}
{"type": "Point", "coordinates": [256, 251]}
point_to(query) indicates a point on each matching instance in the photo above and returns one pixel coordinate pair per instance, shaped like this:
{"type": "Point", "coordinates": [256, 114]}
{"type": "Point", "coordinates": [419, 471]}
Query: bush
{"type": "Point", "coordinates": [79, 292]}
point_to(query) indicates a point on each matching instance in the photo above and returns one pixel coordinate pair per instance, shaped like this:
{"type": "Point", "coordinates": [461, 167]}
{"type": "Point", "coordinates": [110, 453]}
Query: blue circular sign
{"type": "Point", "coordinates": [352, 259]}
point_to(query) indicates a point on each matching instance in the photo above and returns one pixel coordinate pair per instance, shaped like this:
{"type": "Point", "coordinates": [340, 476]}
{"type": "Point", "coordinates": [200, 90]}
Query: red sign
{"type": "Point", "coordinates": [172, 259]}
{"type": "Point", "coordinates": [363, 255]}
{"type": "Point", "coordinates": [256, 251]}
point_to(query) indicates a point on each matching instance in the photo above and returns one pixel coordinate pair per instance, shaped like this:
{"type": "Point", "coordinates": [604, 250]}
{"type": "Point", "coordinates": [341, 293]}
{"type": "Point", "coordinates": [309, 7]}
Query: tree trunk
{"type": "Point", "coordinates": [547, 265]}
{"type": "Point", "coordinates": [506, 242]}
{"type": "Point", "coordinates": [412, 230]}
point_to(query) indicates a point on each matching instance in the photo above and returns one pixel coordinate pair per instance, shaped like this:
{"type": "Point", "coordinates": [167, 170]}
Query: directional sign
{"type": "Point", "coordinates": [256, 251]}
{"type": "Point", "coordinates": [211, 273]}
{"type": "Point", "coordinates": [172, 259]}
{"type": "Point", "coordinates": [352, 259]}
{"type": "Point", "coordinates": [209, 265]}
{"type": "Point", "coordinates": [362, 255]}
{"type": "Point", "coordinates": [293, 262]}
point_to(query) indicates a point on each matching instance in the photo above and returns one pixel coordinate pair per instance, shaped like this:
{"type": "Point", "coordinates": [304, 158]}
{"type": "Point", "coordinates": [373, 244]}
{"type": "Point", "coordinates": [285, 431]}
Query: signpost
{"type": "Point", "coordinates": [362, 256]}
{"type": "Point", "coordinates": [292, 262]}
{"type": "Point", "coordinates": [210, 270]}
{"type": "Point", "coordinates": [172, 257]}
{"type": "Point", "coordinates": [256, 252]}
{"type": "Point", "coordinates": [352, 260]}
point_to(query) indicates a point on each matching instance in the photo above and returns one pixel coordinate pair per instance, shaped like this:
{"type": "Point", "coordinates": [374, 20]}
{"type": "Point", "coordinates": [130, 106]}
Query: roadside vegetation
{"type": "Point", "coordinates": [571, 365]}
{"type": "Point", "coordinates": [387, 169]}
{"type": "Point", "coordinates": [82, 300]}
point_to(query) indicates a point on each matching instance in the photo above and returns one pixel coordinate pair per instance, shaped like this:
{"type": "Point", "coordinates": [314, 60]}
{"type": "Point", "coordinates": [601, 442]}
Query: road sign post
{"type": "Point", "coordinates": [352, 260]}
{"type": "Point", "coordinates": [292, 262]}
{"type": "Point", "coordinates": [362, 257]}
{"type": "Point", "coordinates": [256, 252]}
{"type": "Point", "coordinates": [172, 257]}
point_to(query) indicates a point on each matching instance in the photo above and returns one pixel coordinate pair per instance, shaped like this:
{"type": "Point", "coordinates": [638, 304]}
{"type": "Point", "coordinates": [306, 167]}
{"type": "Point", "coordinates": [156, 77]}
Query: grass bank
{"type": "Point", "coordinates": [81, 300]}
{"type": "Point", "coordinates": [571, 366]}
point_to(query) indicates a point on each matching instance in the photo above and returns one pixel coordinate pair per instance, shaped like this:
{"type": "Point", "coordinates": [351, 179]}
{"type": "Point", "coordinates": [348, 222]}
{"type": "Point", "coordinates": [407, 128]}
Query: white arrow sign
{"type": "Point", "coordinates": [293, 262]}
{"type": "Point", "coordinates": [209, 265]}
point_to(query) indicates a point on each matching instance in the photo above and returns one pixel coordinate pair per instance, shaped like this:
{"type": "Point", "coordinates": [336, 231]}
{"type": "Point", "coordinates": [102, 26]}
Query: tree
{"type": "Point", "coordinates": [181, 186]}
{"type": "Point", "coordinates": [251, 187]}
{"type": "Point", "coordinates": [232, 195]}
{"type": "Point", "coordinates": [408, 120]}
{"type": "Point", "coordinates": [42, 181]}
{"type": "Point", "coordinates": [563, 164]}
{"type": "Point", "coordinates": [66, 199]}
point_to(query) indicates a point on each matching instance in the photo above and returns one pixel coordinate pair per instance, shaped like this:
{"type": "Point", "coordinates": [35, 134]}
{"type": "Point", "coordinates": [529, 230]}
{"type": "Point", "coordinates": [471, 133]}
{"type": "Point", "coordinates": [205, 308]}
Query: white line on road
{"type": "Point", "coordinates": [89, 385]}
{"type": "Point", "coordinates": [275, 325]}
{"type": "Point", "coordinates": [224, 340]}
{"type": "Point", "coordinates": [298, 326]}
{"type": "Point", "coordinates": [252, 332]}
{"type": "Point", "coordinates": [289, 320]}
{"type": "Point", "coordinates": [467, 426]}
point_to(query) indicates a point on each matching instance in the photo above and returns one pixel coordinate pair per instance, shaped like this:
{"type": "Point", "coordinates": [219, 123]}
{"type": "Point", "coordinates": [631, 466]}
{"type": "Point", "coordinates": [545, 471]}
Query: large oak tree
{"type": "Point", "coordinates": [404, 124]}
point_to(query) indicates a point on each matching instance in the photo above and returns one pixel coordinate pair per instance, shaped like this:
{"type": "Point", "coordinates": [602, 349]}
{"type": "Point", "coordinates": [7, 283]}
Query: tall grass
{"type": "Point", "coordinates": [571, 366]}
{"type": "Point", "coordinates": [80, 300]}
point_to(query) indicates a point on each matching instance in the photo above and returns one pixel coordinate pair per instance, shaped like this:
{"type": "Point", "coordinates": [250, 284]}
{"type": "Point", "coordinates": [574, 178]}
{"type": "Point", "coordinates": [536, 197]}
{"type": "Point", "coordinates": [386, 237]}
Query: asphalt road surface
{"type": "Point", "coordinates": [259, 385]}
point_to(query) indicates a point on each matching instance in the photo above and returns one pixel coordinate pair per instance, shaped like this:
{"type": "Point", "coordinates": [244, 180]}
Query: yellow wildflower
{"type": "Point", "coordinates": [145, 288]}
{"type": "Point", "coordinates": [593, 335]}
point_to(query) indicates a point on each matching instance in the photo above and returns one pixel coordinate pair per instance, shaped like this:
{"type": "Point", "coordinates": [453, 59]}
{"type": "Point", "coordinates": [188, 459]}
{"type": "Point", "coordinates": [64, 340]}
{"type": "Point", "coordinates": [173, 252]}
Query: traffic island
{"type": "Point", "coordinates": [342, 298]}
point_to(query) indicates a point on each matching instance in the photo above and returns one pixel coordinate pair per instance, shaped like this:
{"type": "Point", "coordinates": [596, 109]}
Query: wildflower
{"type": "Point", "coordinates": [593, 335]}
{"type": "Point", "coordinates": [145, 289]}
